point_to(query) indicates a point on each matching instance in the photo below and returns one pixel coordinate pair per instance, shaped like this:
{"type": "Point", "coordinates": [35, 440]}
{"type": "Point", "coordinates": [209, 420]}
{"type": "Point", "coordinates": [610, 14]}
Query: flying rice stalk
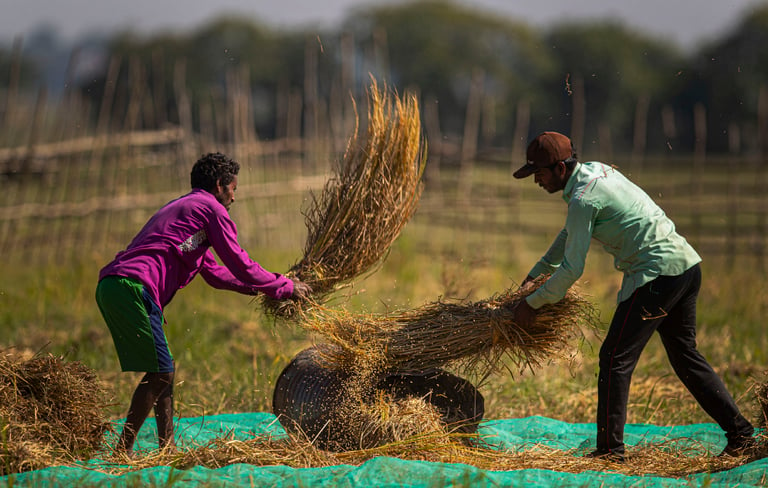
{"type": "Point", "coordinates": [364, 207]}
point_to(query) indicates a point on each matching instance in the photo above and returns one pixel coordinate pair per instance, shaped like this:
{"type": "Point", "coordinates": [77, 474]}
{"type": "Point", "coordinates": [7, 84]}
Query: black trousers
{"type": "Point", "coordinates": [667, 305]}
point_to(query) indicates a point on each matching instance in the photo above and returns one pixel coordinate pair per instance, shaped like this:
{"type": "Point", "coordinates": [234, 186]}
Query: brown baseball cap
{"type": "Point", "coordinates": [547, 149]}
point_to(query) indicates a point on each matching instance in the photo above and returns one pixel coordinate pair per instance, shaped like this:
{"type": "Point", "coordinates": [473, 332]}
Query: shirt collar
{"type": "Point", "coordinates": [568, 190]}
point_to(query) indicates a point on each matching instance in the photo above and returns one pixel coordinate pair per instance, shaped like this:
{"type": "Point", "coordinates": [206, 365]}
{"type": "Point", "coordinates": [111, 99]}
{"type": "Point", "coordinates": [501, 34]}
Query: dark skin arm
{"type": "Point", "coordinates": [525, 315]}
{"type": "Point", "coordinates": [301, 290]}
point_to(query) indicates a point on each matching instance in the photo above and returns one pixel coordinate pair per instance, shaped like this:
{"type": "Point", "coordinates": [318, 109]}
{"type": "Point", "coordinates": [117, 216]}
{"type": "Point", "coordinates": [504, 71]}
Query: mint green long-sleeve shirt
{"type": "Point", "coordinates": [605, 206]}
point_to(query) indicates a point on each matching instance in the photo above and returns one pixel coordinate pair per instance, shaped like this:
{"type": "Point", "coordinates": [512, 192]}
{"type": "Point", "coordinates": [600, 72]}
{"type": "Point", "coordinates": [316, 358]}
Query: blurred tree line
{"type": "Point", "coordinates": [500, 79]}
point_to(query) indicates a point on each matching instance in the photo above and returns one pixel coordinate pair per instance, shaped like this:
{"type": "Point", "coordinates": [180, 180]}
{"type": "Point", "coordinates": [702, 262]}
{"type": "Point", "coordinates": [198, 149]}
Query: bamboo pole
{"type": "Point", "coordinates": [734, 146]}
{"type": "Point", "coordinates": [488, 125]}
{"type": "Point", "coordinates": [668, 126]}
{"type": "Point", "coordinates": [604, 138]}
{"type": "Point", "coordinates": [579, 112]}
{"type": "Point", "coordinates": [381, 53]}
{"type": "Point", "coordinates": [762, 179]}
{"type": "Point", "coordinates": [520, 137]}
{"type": "Point", "coordinates": [74, 108]}
{"type": "Point", "coordinates": [435, 142]}
{"type": "Point", "coordinates": [34, 132]}
{"type": "Point", "coordinates": [282, 102]}
{"type": "Point", "coordinates": [183, 105]}
{"type": "Point", "coordinates": [158, 98]}
{"type": "Point", "coordinates": [471, 130]}
{"type": "Point", "coordinates": [108, 97]}
{"type": "Point", "coordinates": [348, 87]}
{"type": "Point", "coordinates": [75, 143]}
{"type": "Point", "coordinates": [640, 139]}
{"type": "Point", "coordinates": [13, 83]}
{"type": "Point", "coordinates": [519, 146]}
{"type": "Point", "coordinates": [8, 237]}
{"type": "Point", "coordinates": [207, 135]}
{"type": "Point", "coordinates": [762, 124]}
{"type": "Point", "coordinates": [38, 252]}
{"type": "Point", "coordinates": [135, 96]}
{"type": "Point", "coordinates": [336, 125]}
{"type": "Point", "coordinates": [310, 100]}
{"type": "Point", "coordinates": [105, 113]}
{"type": "Point", "coordinates": [699, 155]}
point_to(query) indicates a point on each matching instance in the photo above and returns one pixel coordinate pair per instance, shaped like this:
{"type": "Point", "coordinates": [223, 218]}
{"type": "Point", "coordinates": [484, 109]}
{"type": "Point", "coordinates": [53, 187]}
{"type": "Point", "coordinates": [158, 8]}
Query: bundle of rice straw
{"type": "Point", "coordinates": [475, 335]}
{"type": "Point", "coordinates": [50, 411]}
{"type": "Point", "coordinates": [363, 208]}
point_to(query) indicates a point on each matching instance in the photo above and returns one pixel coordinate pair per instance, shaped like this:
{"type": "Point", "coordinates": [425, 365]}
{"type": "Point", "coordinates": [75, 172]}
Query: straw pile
{"type": "Point", "coordinates": [473, 336]}
{"type": "Point", "coordinates": [50, 411]}
{"type": "Point", "coordinates": [384, 420]}
{"type": "Point", "coordinates": [389, 420]}
{"type": "Point", "coordinates": [363, 208]}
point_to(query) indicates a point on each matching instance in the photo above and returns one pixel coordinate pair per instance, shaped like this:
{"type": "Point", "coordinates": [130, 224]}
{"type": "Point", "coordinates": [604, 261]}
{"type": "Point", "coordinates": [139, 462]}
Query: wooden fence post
{"type": "Point", "coordinates": [435, 141]}
{"type": "Point", "coordinates": [158, 89]}
{"type": "Point", "coordinates": [105, 113]}
{"type": "Point", "coordinates": [311, 106]}
{"type": "Point", "coordinates": [579, 111]}
{"type": "Point", "coordinates": [520, 137]}
{"type": "Point", "coordinates": [108, 97]}
{"type": "Point", "coordinates": [699, 154]}
{"type": "Point", "coordinates": [13, 84]}
{"type": "Point", "coordinates": [136, 95]}
{"type": "Point", "coordinates": [381, 53]}
{"type": "Point", "coordinates": [641, 129]}
{"type": "Point", "coordinates": [34, 132]}
{"type": "Point", "coordinates": [348, 87]}
{"type": "Point", "coordinates": [471, 130]}
{"type": "Point", "coordinates": [605, 146]}
{"type": "Point", "coordinates": [488, 125]}
{"type": "Point", "coordinates": [183, 105]}
{"type": "Point", "coordinates": [668, 126]}
{"type": "Point", "coordinates": [762, 178]}
{"type": "Point", "coordinates": [734, 149]}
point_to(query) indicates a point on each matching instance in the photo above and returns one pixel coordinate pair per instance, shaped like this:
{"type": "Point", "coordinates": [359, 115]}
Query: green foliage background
{"type": "Point", "coordinates": [436, 47]}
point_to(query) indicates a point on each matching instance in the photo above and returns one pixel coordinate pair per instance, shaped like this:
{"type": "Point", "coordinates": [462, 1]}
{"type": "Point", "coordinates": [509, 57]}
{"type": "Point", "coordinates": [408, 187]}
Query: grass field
{"type": "Point", "coordinates": [59, 228]}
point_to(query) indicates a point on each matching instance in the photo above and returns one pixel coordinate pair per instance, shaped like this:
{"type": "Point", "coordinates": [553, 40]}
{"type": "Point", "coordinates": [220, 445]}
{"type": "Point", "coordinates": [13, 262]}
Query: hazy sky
{"type": "Point", "coordinates": [685, 22]}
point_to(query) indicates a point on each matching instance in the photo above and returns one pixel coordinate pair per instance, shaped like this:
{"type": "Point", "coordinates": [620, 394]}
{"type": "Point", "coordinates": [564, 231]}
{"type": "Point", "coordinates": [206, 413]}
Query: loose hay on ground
{"type": "Point", "coordinates": [68, 421]}
{"type": "Point", "coordinates": [664, 461]}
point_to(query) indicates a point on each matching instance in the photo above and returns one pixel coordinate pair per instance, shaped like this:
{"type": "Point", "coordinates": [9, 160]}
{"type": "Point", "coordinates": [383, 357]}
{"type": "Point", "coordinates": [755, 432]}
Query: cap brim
{"type": "Point", "coordinates": [525, 171]}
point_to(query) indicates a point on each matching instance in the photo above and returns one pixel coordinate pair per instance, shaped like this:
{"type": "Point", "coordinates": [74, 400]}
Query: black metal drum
{"type": "Point", "coordinates": [308, 394]}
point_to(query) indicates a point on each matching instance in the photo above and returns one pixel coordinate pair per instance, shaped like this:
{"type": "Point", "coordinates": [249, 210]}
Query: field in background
{"type": "Point", "coordinates": [477, 231]}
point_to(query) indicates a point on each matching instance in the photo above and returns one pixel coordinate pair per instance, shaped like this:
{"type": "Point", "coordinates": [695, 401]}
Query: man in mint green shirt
{"type": "Point", "coordinates": [661, 283]}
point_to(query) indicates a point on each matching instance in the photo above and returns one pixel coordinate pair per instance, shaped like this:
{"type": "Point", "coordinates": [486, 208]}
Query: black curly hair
{"type": "Point", "coordinates": [212, 168]}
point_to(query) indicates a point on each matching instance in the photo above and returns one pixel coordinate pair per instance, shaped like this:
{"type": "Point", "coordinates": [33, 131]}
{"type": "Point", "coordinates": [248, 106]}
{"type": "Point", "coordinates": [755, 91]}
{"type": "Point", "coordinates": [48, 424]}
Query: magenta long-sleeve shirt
{"type": "Point", "coordinates": [175, 245]}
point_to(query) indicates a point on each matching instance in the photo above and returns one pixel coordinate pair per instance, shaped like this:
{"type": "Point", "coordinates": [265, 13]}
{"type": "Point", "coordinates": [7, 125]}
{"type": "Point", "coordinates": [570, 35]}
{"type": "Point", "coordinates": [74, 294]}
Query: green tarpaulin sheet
{"type": "Point", "coordinates": [391, 472]}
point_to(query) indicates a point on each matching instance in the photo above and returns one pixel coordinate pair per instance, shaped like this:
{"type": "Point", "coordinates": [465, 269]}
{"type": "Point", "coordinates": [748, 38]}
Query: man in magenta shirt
{"type": "Point", "coordinates": [172, 248]}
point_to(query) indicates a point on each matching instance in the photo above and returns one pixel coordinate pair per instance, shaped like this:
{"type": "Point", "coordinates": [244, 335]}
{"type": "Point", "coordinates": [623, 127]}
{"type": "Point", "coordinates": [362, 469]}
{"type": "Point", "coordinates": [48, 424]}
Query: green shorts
{"type": "Point", "coordinates": [136, 324]}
